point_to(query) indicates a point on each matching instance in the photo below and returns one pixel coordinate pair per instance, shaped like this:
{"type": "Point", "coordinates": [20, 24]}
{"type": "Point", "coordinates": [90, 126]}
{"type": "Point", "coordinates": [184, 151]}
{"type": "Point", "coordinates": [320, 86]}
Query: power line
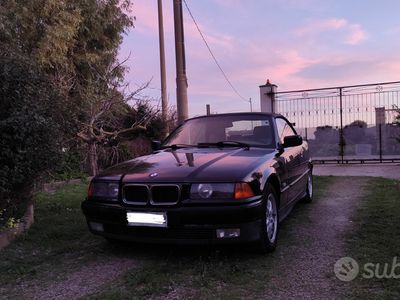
{"type": "Point", "coordinates": [212, 54]}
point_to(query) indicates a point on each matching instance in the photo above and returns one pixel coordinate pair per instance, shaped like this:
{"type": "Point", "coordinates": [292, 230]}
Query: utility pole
{"type": "Point", "coordinates": [164, 100]}
{"type": "Point", "coordinates": [181, 80]}
{"type": "Point", "coordinates": [251, 105]}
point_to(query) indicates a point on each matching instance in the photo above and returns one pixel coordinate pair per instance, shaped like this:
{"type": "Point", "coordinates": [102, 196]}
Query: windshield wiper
{"type": "Point", "coordinates": [222, 144]}
{"type": "Point", "coordinates": [176, 146]}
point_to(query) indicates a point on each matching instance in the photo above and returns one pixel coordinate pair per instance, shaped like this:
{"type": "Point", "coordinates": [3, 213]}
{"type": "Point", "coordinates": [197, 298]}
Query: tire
{"type": "Point", "coordinates": [309, 189]}
{"type": "Point", "coordinates": [270, 221]}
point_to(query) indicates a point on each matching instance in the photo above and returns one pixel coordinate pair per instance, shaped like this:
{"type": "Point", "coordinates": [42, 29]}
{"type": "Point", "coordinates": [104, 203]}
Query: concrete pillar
{"type": "Point", "coordinates": [267, 97]}
{"type": "Point", "coordinates": [208, 109]}
{"type": "Point", "coordinates": [380, 115]}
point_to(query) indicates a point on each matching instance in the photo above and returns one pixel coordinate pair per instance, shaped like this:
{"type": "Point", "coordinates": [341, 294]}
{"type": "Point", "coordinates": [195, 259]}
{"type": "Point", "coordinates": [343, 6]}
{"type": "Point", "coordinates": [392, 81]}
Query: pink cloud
{"type": "Point", "coordinates": [353, 34]}
{"type": "Point", "coordinates": [147, 21]}
{"type": "Point", "coordinates": [213, 38]}
{"type": "Point", "coordinates": [320, 26]}
{"type": "Point", "coordinates": [356, 35]}
{"type": "Point", "coordinates": [266, 61]}
{"type": "Point", "coordinates": [146, 14]}
{"type": "Point", "coordinates": [390, 69]}
{"type": "Point", "coordinates": [292, 63]}
{"type": "Point", "coordinates": [287, 60]}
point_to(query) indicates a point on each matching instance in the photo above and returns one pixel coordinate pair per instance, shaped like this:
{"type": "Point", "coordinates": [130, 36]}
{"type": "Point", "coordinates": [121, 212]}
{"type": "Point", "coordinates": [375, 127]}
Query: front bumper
{"type": "Point", "coordinates": [186, 224]}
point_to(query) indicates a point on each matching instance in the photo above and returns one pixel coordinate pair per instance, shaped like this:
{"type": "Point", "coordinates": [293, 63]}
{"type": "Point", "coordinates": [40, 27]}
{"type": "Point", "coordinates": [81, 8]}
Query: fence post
{"type": "Point", "coordinates": [267, 97]}
{"type": "Point", "coordinates": [341, 137]}
{"type": "Point", "coordinates": [380, 142]}
{"type": "Point", "coordinates": [380, 119]}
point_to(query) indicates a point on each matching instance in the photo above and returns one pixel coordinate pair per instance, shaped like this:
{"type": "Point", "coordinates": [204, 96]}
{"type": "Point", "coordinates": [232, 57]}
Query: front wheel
{"type": "Point", "coordinates": [270, 221]}
{"type": "Point", "coordinates": [309, 189]}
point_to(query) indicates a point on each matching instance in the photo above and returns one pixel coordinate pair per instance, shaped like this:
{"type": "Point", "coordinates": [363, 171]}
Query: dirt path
{"type": "Point", "coordinates": [306, 272]}
{"type": "Point", "coordinates": [89, 279]}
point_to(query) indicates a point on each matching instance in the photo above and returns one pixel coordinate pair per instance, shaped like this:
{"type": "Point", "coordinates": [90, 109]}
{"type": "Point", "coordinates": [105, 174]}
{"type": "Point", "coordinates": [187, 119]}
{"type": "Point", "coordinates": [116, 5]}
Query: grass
{"type": "Point", "coordinates": [10, 217]}
{"type": "Point", "coordinates": [58, 238]}
{"type": "Point", "coordinates": [377, 239]}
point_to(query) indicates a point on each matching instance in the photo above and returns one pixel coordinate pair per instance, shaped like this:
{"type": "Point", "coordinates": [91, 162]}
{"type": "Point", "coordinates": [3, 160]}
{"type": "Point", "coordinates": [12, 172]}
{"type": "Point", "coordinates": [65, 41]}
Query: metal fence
{"type": "Point", "coordinates": [348, 124]}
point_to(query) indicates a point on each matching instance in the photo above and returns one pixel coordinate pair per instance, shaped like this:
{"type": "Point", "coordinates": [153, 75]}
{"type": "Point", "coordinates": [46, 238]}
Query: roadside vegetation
{"type": "Point", "coordinates": [65, 110]}
{"type": "Point", "coordinates": [59, 243]}
{"type": "Point", "coordinates": [56, 242]}
{"type": "Point", "coordinates": [376, 240]}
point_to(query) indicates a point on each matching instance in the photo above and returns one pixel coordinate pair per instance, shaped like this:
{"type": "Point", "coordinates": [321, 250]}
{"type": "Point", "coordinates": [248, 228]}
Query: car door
{"type": "Point", "coordinates": [291, 159]}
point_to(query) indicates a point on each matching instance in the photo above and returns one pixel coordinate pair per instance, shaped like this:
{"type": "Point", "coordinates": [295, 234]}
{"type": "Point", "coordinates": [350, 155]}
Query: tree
{"type": "Point", "coordinates": [68, 39]}
{"type": "Point", "coordinates": [355, 132]}
{"type": "Point", "coordinates": [76, 44]}
{"type": "Point", "coordinates": [126, 144]}
{"type": "Point", "coordinates": [104, 127]}
{"type": "Point", "coordinates": [357, 123]}
{"type": "Point", "coordinates": [326, 134]}
{"type": "Point", "coordinates": [32, 126]}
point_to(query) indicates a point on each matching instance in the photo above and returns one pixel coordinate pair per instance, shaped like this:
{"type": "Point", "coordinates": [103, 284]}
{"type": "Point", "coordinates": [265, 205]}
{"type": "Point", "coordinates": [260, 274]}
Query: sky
{"type": "Point", "coordinates": [296, 44]}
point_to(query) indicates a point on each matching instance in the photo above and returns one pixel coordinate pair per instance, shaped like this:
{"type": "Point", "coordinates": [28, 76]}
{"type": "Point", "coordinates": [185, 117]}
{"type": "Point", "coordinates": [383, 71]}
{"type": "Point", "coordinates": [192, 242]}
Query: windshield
{"type": "Point", "coordinates": [253, 130]}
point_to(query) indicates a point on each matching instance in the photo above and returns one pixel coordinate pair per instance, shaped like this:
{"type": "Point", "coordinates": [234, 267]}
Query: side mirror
{"type": "Point", "coordinates": [292, 141]}
{"type": "Point", "coordinates": [155, 145]}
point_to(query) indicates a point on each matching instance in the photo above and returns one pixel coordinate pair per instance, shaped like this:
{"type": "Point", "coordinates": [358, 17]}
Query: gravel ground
{"type": "Point", "coordinates": [85, 281]}
{"type": "Point", "coordinates": [307, 272]}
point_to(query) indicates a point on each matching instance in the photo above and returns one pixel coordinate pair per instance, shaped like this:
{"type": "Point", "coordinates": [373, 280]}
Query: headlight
{"type": "Point", "coordinates": [103, 190]}
{"type": "Point", "coordinates": [212, 191]}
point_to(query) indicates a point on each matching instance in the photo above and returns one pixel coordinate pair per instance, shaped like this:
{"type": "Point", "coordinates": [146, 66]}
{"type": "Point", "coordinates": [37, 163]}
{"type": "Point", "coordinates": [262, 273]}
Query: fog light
{"type": "Point", "coordinates": [228, 233]}
{"type": "Point", "coordinates": [96, 226]}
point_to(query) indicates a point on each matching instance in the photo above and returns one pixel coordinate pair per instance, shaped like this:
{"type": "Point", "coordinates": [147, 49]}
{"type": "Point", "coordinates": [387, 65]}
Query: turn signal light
{"type": "Point", "coordinates": [243, 190]}
{"type": "Point", "coordinates": [90, 190]}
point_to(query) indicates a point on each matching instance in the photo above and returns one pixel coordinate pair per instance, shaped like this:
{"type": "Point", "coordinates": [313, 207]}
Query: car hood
{"type": "Point", "coordinates": [191, 165]}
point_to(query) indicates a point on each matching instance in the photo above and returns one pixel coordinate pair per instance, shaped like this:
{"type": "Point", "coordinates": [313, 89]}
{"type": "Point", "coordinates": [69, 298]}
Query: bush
{"type": "Point", "coordinates": [71, 165]}
{"type": "Point", "coordinates": [31, 129]}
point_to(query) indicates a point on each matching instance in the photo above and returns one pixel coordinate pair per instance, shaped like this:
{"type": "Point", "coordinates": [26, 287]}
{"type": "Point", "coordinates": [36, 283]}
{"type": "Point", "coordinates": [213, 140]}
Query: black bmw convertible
{"type": "Point", "coordinates": [226, 178]}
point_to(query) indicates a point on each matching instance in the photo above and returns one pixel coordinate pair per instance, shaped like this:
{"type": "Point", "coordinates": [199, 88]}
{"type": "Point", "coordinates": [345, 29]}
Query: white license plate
{"type": "Point", "coordinates": [155, 219]}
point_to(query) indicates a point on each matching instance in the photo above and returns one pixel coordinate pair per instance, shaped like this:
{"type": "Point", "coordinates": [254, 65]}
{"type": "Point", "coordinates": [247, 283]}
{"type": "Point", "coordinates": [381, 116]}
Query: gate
{"type": "Point", "coordinates": [348, 124]}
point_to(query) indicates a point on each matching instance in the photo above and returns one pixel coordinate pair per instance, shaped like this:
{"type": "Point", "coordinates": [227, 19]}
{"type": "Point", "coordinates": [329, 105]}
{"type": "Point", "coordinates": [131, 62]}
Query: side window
{"type": "Point", "coordinates": [284, 129]}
